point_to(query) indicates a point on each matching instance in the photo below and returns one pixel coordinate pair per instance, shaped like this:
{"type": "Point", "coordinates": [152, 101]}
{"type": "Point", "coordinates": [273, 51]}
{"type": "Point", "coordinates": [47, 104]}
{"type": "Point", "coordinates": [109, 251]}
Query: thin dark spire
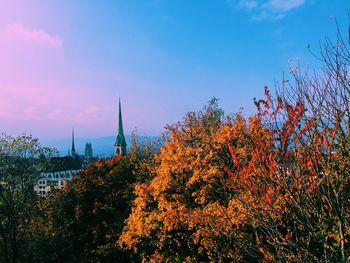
{"type": "Point", "coordinates": [120, 142]}
{"type": "Point", "coordinates": [73, 152]}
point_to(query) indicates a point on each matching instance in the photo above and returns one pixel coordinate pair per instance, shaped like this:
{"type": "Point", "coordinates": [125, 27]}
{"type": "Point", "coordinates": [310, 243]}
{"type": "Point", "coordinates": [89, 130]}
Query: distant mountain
{"type": "Point", "coordinates": [101, 147]}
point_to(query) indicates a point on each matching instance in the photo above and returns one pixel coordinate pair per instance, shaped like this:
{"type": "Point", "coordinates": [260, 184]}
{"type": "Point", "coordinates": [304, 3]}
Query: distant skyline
{"type": "Point", "coordinates": [64, 63]}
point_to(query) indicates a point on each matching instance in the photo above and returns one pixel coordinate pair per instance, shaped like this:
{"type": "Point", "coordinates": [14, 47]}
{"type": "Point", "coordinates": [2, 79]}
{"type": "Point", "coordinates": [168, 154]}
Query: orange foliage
{"type": "Point", "coordinates": [193, 201]}
{"type": "Point", "coordinates": [239, 190]}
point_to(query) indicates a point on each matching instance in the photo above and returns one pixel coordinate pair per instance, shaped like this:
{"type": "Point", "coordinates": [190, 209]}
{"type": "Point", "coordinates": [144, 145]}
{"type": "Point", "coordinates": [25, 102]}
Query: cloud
{"type": "Point", "coordinates": [268, 9]}
{"type": "Point", "coordinates": [20, 102]}
{"type": "Point", "coordinates": [19, 33]}
{"type": "Point", "coordinates": [283, 5]}
{"type": "Point", "coordinates": [264, 15]}
{"type": "Point", "coordinates": [248, 4]}
{"type": "Point", "coordinates": [55, 113]}
{"type": "Point", "coordinates": [30, 112]}
{"type": "Point", "coordinates": [5, 109]}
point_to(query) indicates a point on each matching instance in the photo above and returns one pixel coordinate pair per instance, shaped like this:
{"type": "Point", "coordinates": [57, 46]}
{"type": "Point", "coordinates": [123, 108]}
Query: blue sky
{"type": "Point", "coordinates": [66, 62]}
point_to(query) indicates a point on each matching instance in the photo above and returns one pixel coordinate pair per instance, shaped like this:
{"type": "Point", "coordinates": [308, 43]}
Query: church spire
{"type": "Point", "coordinates": [73, 152]}
{"type": "Point", "coordinates": [120, 126]}
{"type": "Point", "coordinates": [120, 143]}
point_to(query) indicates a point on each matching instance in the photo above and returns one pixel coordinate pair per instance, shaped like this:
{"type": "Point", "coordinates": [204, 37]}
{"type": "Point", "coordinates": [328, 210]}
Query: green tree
{"type": "Point", "coordinates": [22, 160]}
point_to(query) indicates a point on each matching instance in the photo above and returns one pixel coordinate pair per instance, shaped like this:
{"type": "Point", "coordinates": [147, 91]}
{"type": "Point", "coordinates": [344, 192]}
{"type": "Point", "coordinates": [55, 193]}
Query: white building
{"type": "Point", "coordinates": [51, 180]}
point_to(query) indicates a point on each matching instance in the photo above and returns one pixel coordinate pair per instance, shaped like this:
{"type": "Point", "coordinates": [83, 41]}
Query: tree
{"type": "Point", "coordinates": [308, 177]}
{"type": "Point", "coordinates": [22, 160]}
{"type": "Point", "coordinates": [273, 188]}
{"type": "Point", "coordinates": [83, 221]}
{"type": "Point", "coordinates": [310, 120]}
{"type": "Point", "coordinates": [188, 211]}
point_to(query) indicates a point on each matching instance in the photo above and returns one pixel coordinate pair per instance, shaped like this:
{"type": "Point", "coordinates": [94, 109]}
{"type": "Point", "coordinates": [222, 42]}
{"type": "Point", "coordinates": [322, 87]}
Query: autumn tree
{"type": "Point", "coordinates": [310, 117]}
{"type": "Point", "coordinates": [189, 210]}
{"type": "Point", "coordinates": [272, 188]}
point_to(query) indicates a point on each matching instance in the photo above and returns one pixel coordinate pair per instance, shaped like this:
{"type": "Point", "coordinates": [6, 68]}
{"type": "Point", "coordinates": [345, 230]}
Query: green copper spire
{"type": "Point", "coordinates": [120, 143]}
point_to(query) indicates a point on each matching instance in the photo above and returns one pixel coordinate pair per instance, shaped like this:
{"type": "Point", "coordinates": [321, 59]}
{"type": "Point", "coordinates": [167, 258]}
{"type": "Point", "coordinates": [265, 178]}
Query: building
{"type": "Point", "coordinates": [88, 151]}
{"type": "Point", "coordinates": [56, 180]}
{"type": "Point", "coordinates": [59, 171]}
{"type": "Point", "coordinates": [120, 142]}
{"type": "Point", "coordinates": [62, 169]}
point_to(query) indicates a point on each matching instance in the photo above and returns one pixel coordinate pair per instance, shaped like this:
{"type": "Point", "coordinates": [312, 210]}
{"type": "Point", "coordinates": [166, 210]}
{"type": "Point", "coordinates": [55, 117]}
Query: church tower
{"type": "Point", "coordinates": [73, 151]}
{"type": "Point", "coordinates": [120, 143]}
{"type": "Point", "coordinates": [88, 151]}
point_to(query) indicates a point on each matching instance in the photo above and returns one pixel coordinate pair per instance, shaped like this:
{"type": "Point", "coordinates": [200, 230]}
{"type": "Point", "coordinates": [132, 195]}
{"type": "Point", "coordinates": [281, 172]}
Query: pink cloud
{"type": "Point", "coordinates": [5, 109]}
{"type": "Point", "coordinates": [30, 112]}
{"type": "Point", "coordinates": [56, 113]}
{"type": "Point", "coordinates": [46, 108]}
{"type": "Point", "coordinates": [19, 32]}
{"type": "Point", "coordinates": [18, 101]}
{"type": "Point", "coordinates": [92, 109]}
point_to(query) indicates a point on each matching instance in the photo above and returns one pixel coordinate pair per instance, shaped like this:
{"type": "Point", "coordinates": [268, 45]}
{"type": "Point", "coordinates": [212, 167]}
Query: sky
{"type": "Point", "coordinates": [65, 63]}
